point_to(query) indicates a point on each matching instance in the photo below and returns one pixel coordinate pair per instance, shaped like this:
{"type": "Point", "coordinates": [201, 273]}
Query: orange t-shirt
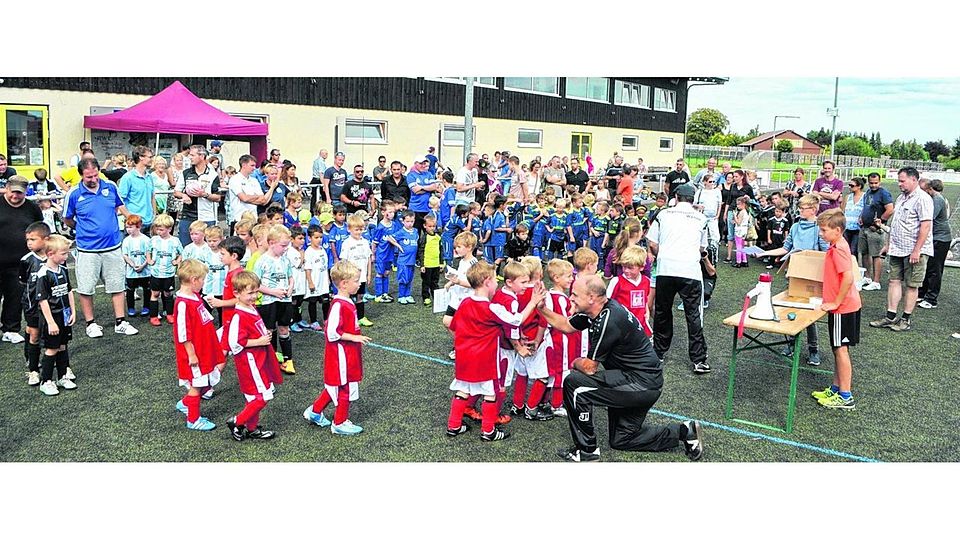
{"type": "Point", "coordinates": [836, 262]}
{"type": "Point", "coordinates": [625, 188]}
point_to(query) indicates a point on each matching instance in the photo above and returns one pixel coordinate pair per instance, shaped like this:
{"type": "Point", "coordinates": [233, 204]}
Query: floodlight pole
{"type": "Point", "coordinates": [774, 143]}
{"type": "Point", "coordinates": [834, 112]}
{"type": "Point", "coordinates": [468, 119]}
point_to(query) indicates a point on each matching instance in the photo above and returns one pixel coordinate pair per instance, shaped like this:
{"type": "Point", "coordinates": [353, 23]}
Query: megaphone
{"type": "Point", "coordinates": [763, 309]}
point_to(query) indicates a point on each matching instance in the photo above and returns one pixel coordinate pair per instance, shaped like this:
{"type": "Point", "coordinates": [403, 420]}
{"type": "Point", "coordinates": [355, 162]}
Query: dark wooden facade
{"type": "Point", "coordinates": [398, 94]}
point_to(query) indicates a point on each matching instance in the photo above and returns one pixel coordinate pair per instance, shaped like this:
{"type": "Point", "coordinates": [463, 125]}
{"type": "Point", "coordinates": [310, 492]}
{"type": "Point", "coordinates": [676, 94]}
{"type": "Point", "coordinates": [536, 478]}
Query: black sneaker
{"type": "Point", "coordinates": [576, 455]}
{"type": "Point", "coordinates": [515, 411]}
{"type": "Point", "coordinates": [239, 432]}
{"type": "Point", "coordinates": [701, 367]}
{"type": "Point", "coordinates": [454, 432]}
{"type": "Point", "coordinates": [262, 434]}
{"type": "Point", "coordinates": [495, 435]}
{"type": "Point", "coordinates": [537, 414]}
{"type": "Point", "coordinates": [693, 443]}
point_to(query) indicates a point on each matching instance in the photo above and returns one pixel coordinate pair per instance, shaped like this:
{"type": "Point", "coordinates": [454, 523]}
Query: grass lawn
{"type": "Point", "coordinates": [124, 407]}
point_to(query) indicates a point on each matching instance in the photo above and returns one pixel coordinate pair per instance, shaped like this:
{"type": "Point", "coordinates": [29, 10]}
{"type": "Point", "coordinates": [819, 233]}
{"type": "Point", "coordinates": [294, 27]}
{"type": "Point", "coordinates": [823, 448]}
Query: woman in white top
{"type": "Point", "coordinates": [708, 200]}
{"type": "Point", "coordinates": [852, 206]}
{"type": "Point", "coordinates": [533, 178]}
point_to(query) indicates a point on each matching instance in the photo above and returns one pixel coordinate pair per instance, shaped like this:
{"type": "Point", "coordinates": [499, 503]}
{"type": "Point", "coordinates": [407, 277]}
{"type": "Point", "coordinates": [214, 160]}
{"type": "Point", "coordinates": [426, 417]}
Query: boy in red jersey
{"type": "Point", "coordinates": [231, 251]}
{"type": "Point", "coordinates": [195, 339]}
{"type": "Point", "coordinates": [342, 365]}
{"type": "Point", "coordinates": [477, 326]}
{"type": "Point", "coordinates": [631, 289]}
{"type": "Point", "coordinates": [247, 337]}
{"type": "Point", "coordinates": [562, 349]}
{"type": "Point", "coordinates": [531, 333]}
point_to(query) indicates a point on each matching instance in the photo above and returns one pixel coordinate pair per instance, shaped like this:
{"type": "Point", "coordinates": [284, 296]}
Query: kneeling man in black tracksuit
{"type": "Point", "coordinates": [628, 385]}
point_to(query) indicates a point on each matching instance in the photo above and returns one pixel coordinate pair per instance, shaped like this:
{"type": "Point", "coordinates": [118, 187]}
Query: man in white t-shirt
{"type": "Point", "coordinates": [245, 191]}
{"type": "Point", "coordinates": [466, 181]}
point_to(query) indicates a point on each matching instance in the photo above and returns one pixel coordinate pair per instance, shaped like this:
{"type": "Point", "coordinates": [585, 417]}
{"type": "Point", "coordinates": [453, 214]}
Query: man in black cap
{"type": "Point", "coordinates": [678, 238]}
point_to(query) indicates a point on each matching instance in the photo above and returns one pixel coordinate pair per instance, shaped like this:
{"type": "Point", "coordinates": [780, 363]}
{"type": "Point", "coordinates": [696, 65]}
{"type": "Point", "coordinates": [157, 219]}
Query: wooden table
{"type": "Point", "coordinates": [790, 332]}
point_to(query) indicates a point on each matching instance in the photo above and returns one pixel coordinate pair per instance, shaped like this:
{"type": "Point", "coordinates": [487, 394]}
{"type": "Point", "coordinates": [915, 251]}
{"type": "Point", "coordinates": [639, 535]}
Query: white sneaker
{"type": "Point", "coordinates": [926, 305]}
{"type": "Point", "coordinates": [66, 384]}
{"type": "Point", "coordinates": [12, 337]}
{"type": "Point", "coordinates": [872, 286]}
{"type": "Point", "coordinates": [126, 329]}
{"type": "Point", "coordinates": [94, 330]}
{"type": "Point", "coordinates": [33, 378]}
{"type": "Point", "coordinates": [955, 335]}
{"type": "Point", "coordinates": [49, 388]}
{"type": "Point", "coordinates": [70, 376]}
{"type": "Point", "coordinates": [559, 411]}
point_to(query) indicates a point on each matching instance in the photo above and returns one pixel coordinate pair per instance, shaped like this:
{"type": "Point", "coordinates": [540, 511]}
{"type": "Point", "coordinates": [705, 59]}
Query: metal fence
{"type": "Point", "coordinates": [736, 153]}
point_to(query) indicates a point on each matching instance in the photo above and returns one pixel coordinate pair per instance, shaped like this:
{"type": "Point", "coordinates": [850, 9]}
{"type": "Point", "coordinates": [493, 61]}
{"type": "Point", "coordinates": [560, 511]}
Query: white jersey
{"type": "Point", "coordinates": [216, 273]}
{"type": "Point", "coordinates": [199, 252]}
{"type": "Point", "coordinates": [136, 248]}
{"type": "Point", "coordinates": [163, 252]}
{"type": "Point", "coordinates": [315, 260]}
{"type": "Point", "coordinates": [459, 292]}
{"type": "Point", "coordinates": [299, 276]}
{"type": "Point", "coordinates": [710, 199]}
{"type": "Point", "coordinates": [274, 273]}
{"type": "Point", "coordinates": [358, 252]}
{"type": "Point", "coordinates": [680, 232]}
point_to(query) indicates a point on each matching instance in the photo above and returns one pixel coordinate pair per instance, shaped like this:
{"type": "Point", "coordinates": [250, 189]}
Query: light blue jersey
{"type": "Point", "coordinates": [216, 273]}
{"type": "Point", "coordinates": [193, 251]}
{"type": "Point", "coordinates": [274, 273]}
{"type": "Point", "coordinates": [136, 249]}
{"type": "Point", "coordinates": [163, 253]}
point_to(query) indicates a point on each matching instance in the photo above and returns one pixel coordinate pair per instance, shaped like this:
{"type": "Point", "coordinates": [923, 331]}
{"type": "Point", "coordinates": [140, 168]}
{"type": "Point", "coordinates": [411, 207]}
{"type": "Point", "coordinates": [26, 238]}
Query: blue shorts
{"type": "Point", "coordinates": [383, 265]}
{"type": "Point", "coordinates": [492, 253]}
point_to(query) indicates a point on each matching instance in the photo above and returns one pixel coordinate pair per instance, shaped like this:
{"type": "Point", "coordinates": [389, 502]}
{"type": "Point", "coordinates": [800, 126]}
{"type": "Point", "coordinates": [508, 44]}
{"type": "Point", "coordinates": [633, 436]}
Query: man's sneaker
{"type": "Point", "coordinates": [496, 435]}
{"type": "Point", "coordinates": [33, 378]}
{"type": "Point", "coordinates": [131, 313]}
{"type": "Point", "coordinates": [69, 375]}
{"type": "Point", "coordinates": [693, 443]}
{"type": "Point", "coordinates": [427, 301]}
{"type": "Point", "coordinates": [182, 407]}
{"type": "Point", "coordinates": [872, 286]}
{"type": "Point", "coordinates": [459, 431]}
{"type": "Point", "coordinates": [208, 394]}
{"type": "Point", "coordinates": [169, 319]}
{"type": "Point", "coordinates": [472, 414]}
{"type": "Point", "coordinates": [701, 367]}
{"type": "Point", "coordinates": [287, 367]}
{"type": "Point", "coordinates": [262, 434]}
{"type": "Point", "coordinates": [883, 323]}
{"type": "Point", "coordinates": [576, 455]}
{"type": "Point", "coordinates": [155, 321]}
{"type": "Point", "coordinates": [316, 327]}
{"type": "Point", "coordinates": [295, 328]}
{"type": "Point", "coordinates": [346, 428]}
{"type": "Point", "coordinates": [825, 394]}
{"type": "Point", "coordinates": [49, 388]}
{"type": "Point", "coordinates": [125, 329]}
{"type": "Point", "coordinates": [315, 418]}
{"type": "Point", "coordinates": [94, 330]}
{"type": "Point", "coordinates": [144, 312]}
{"type": "Point", "coordinates": [66, 384]}
{"type": "Point", "coordinates": [12, 337]}
{"type": "Point", "coordinates": [559, 411]}
{"type": "Point", "coordinates": [926, 305]}
{"type": "Point", "coordinates": [452, 355]}
{"type": "Point", "coordinates": [503, 419]}
{"type": "Point", "coordinates": [787, 351]}
{"type": "Point", "coordinates": [837, 402]}
{"type": "Point", "coordinates": [537, 414]}
{"type": "Point", "coordinates": [814, 359]}
{"type": "Point", "coordinates": [365, 322]}
{"type": "Point", "coordinates": [901, 326]}
{"type": "Point", "coordinates": [202, 424]}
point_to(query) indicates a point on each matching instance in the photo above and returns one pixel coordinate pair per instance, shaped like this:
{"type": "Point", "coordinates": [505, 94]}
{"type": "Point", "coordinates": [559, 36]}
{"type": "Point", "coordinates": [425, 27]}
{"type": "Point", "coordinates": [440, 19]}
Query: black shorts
{"type": "Point", "coordinates": [48, 341]}
{"type": "Point", "coordinates": [451, 311]}
{"type": "Point", "coordinates": [276, 314]}
{"type": "Point", "coordinates": [844, 329]}
{"type": "Point", "coordinates": [555, 246]}
{"type": "Point", "coordinates": [161, 284]}
{"type": "Point", "coordinates": [32, 319]}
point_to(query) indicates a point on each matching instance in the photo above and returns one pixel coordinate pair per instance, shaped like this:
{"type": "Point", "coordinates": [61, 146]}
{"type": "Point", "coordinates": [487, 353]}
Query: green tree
{"type": "Point", "coordinates": [876, 143]}
{"type": "Point", "coordinates": [955, 151]}
{"type": "Point", "coordinates": [728, 139]}
{"type": "Point", "coordinates": [784, 145]}
{"type": "Point", "coordinates": [936, 149]}
{"type": "Point", "coordinates": [755, 132]}
{"type": "Point", "coordinates": [705, 123]}
{"type": "Point", "coordinates": [854, 146]}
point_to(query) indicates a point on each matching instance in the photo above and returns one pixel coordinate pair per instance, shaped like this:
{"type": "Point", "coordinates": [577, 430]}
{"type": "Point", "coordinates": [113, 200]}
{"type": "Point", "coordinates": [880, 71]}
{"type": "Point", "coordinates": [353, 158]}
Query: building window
{"type": "Point", "coordinates": [479, 81]}
{"type": "Point", "coordinates": [666, 144]}
{"type": "Point", "coordinates": [365, 131]}
{"type": "Point", "coordinates": [530, 138]}
{"type": "Point", "coordinates": [664, 100]}
{"type": "Point", "coordinates": [453, 135]}
{"type": "Point", "coordinates": [592, 88]}
{"type": "Point", "coordinates": [632, 94]}
{"type": "Point", "coordinates": [630, 142]}
{"type": "Point", "coordinates": [24, 136]}
{"type": "Point", "coordinates": [540, 85]}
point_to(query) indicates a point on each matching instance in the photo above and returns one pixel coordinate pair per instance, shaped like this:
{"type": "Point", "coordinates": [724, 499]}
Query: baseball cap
{"type": "Point", "coordinates": [216, 142]}
{"type": "Point", "coordinates": [325, 218]}
{"type": "Point", "coordinates": [686, 190]}
{"type": "Point", "coordinates": [419, 158]}
{"type": "Point", "coordinates": [17, 183]}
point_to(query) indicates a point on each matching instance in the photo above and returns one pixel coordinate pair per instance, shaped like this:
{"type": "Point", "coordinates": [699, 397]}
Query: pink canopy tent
{"type": "Point", "coordinates": [176, 110]}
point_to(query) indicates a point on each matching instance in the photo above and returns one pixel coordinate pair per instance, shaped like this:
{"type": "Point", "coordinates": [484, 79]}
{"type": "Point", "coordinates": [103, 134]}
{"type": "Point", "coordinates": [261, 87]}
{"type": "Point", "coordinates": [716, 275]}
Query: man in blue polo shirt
{"type": "Point", "coordinates": [422, 184]}
{"type": "Point", "coordinates": [91, 210]}
{"type": "Point", "coordinates": [136, 190]}
{"type": "Point", "coordinates": [433, 159]}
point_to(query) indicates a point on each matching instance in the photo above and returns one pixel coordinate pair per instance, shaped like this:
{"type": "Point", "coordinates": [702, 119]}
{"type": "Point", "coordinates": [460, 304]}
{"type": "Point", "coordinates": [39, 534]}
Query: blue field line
{"type": "Point", "coordinates": [737, 431]}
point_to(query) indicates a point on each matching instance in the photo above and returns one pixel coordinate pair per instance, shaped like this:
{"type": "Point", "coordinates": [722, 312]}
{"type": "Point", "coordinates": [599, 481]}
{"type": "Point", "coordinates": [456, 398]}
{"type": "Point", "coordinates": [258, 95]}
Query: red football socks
{"type": "Point", "coordinates": [193, 407]}
{"type": "Point", "coordinates": [343, 405]}
{"type": "Point", "coordinates": [322, 401]}
{"type": "Point", "coordinates": [519, 390]}
{"type": "Point", "coordinates": [457, 406]}
{"type": "Point", "coordinates": [536, 394]}
{"type": "Point", "coordinates": [490, 414]}
{"type": "Point", "coordinates": [250, 415]}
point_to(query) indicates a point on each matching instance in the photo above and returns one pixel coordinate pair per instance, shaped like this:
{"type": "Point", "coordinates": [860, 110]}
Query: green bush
{"type": "Point", "coordinates": [784, 145]}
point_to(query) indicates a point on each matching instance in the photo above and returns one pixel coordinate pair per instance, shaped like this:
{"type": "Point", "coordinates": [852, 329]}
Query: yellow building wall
{"type": "Point", "coordinates": [300, 132]}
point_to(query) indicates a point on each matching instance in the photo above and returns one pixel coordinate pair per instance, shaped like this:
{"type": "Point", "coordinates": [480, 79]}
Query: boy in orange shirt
{"type": "Point", "coordinates": [842, 302]}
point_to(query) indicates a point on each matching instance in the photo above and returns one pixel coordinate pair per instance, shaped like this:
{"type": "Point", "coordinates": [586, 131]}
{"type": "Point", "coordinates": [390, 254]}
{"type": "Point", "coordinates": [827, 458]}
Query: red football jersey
{"type": "Point", "coordinates": [633, 296]}
{"type": "Point", "coordinates": [532, 324]}
{"type": "Point", "coordinates": [477, 326]}
{"type": "Point", "coordinates": [257, 367]}
{"type": "Point", "coordinates": [560, 347]}
{"type": "Point", "coordinates": [511, 303]}
{"type": "Point", "coordinates": [228, 294]}
{"type": "Point", "coordinates": [193, 323]}
{"type": "Point", "coordinates": [342, 360]}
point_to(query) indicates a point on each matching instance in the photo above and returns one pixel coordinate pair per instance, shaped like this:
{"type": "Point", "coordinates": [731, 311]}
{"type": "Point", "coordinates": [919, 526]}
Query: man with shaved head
{"type": "Point", "coordinates": [628, 385]}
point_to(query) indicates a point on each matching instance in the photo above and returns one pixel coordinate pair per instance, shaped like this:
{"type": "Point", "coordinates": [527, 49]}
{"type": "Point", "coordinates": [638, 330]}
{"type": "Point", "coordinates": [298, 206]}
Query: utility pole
{"type": "Point", "coordinates": [468, 119]}
{"type": "Point", "coordinates": [834, 112]}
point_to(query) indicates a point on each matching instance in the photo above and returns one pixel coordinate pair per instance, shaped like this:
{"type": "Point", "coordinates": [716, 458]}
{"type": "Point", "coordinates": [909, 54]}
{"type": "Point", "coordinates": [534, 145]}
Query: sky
{"type": "Point", "coordinates": [904, 108]}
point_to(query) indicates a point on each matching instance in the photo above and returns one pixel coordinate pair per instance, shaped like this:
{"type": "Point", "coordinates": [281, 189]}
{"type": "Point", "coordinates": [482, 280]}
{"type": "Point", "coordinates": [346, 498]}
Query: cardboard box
{"type": "Point", "coordinates": [805, 275]}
